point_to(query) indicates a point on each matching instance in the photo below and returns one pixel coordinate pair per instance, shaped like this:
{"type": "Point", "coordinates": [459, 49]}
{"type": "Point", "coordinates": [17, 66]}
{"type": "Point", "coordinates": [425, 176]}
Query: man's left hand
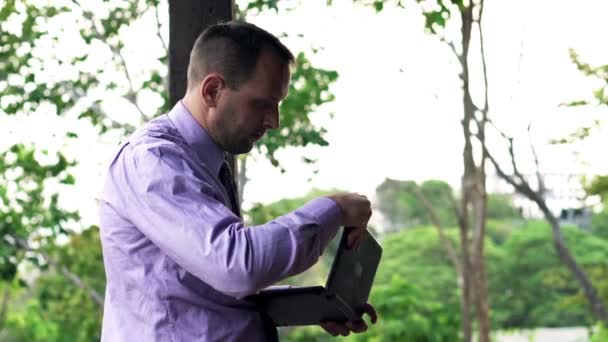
{"type": "Point", "coordinates": [344, 329]}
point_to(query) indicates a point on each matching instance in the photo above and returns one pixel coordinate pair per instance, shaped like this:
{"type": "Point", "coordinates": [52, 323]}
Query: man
{"type": "Point", "coordinates": [178, 259]}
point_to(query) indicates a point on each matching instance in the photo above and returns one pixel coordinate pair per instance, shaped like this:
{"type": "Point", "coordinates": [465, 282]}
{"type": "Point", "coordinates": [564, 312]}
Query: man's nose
{"type": "Point", "coordinates": [271, 119]}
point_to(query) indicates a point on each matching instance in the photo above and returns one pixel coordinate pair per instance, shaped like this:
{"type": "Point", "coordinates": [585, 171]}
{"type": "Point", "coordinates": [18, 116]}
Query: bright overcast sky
{"type": "Point", "coordinates": [398, 99]}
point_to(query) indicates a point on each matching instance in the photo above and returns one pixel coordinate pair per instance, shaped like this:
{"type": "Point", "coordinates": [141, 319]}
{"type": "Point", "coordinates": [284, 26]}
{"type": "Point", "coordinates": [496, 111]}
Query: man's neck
{"type": "Point", "coordinates": [196, 109]}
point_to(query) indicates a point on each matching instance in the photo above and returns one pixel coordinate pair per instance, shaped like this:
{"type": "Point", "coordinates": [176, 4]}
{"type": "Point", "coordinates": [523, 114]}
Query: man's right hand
{"type": "Point", "coordinates": [356, 211]}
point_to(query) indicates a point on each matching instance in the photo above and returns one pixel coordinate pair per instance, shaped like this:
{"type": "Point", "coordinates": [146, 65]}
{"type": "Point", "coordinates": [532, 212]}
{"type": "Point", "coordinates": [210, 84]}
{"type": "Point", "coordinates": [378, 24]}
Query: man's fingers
{"type": "Point", "coordinates": [356, 243]}
{"type": "Point", "coordinates": [330, 328]}
{"type": "Point", "coordinates": [359, 241]}
{"type": "Point", "coordinates": [355, 237]}
{"type": "Point", "coordinates": [356, 209]}
{"type": "Point", "coordinates": [357, 326]}
{"type": "Point", "coordinates": [371, 311]}
{"type": "Point", "coordinates": [352, 235]}
{"type": "Point", "coordinates": [335, 329]}
{"type": "Point", "coordinates": [344, 329]}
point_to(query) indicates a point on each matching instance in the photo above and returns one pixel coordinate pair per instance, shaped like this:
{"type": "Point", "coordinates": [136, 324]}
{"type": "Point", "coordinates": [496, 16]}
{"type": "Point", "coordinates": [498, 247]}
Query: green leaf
{"type": "Point", "coordinates": [575, 103]}
{"type": "Point", "coordinates": [599, 95]}
{"type": "Point", "coordinates": [378, 5]}
{"type": "Point", "coordinates": [69, 179]}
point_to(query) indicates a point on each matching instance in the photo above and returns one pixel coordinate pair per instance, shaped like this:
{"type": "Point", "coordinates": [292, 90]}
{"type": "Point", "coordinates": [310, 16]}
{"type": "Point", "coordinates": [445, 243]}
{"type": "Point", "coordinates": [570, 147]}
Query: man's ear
{"type": "Point", "coordinates": [211, 87]}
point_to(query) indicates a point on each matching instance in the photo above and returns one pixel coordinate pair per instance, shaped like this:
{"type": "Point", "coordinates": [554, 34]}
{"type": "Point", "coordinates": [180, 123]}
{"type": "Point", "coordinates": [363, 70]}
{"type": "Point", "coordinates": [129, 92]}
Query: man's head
{"type": "Point", "coordinates": [238, 74]}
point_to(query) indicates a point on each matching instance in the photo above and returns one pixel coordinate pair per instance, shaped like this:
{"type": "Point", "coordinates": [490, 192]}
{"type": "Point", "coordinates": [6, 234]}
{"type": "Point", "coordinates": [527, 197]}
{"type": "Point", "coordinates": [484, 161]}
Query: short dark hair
{"type": "Point", "coordinates": [232, 49]}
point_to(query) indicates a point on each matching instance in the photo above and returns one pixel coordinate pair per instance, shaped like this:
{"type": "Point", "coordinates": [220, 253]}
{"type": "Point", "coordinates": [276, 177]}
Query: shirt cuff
{"type": "Point", "coordinates": [329, 216]}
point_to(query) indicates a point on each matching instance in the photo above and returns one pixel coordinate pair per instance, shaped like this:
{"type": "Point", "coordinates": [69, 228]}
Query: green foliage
{"type": "Point", "coordinates": [261, 213]}
{"type": "Point", "coordinates": [437, 16]}
{"type": "Point", "coordinates": [406, 314]}
{"type": "Point", "coordinates": [19, 32]}
{"type": "Point", "coordinates": [409, 315]}
{"type": "Point", "coordinates": [599, 224]}
{"type": "Point", "coordinates": [23, 62]}
{"type": "Point", "coordinates": [600, 334]}
{"type": "Point", "coordinates": [29, 211]}
{"type": "Point", "coordinates": [436, 13]}
{"type": "Point", "coordinates": [416, 288]}
{"type": "Point", "coordinates": [418, 256]}
{"type": "Point", "coordinates": [58, 311]}
{"type": "Point", "coordinates": [500, 207]}
{"type": "Point", "coordinates": [441, 196]}
{"type": "Point", "coordinates": [261, 5]}
{"type": "Point", "coordinates": [305, 334]}
{"type": "Point", "coordinates": [600, 97]}
{"type": "Point", "coordinates": [29, 325]}
{"type": "Point", "coordinates": [308, 90]}
{"type": "Point", "coordinates": [415, 292]}
{"type": "Point", "coordinates": [398, 204]}
{"type": "Point", "coordinates": [377, 5]}
{"type": "Point", "coordinates": [532, 288]}
{"type": "Point", "coordinates": [499, 231]}
{"type": "Point", "coordinates": [599, 221]}
{"type": "Point", "coordinates": [25, 208]}
{"type": "Point", "coordinates": [598, 186]}
{"type": "Point", "coordinates": [599, 72]}
{"type": "Point", "coordinates": [401, 207]}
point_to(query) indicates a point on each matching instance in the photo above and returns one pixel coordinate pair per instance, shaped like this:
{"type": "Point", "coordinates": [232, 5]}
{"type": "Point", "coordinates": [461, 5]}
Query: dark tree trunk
{"type": "Point", "coordinates": [187, 19]}
{"type": "Point", "coordinates": [473, 201]}
{"type": "Point", "coordinates": [465, 280]}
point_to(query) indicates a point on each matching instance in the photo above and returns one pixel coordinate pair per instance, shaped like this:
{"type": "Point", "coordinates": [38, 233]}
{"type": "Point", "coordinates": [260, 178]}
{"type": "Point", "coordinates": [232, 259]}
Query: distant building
{"type": "Point", "coordinates": [564, 195]}
{"type": "Point", "coordinates": [580, 217]}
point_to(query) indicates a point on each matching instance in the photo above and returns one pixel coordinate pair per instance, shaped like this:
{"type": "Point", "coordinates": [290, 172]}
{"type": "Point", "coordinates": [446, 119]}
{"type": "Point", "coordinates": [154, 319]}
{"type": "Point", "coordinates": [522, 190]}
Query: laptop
{"type": "Point", "coordinates": [342, 299]}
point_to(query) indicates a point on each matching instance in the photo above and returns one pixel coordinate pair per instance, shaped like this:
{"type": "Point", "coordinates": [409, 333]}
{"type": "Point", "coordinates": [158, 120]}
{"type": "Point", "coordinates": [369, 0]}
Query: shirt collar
{"type": "Point", "coordinates": [197, 137]}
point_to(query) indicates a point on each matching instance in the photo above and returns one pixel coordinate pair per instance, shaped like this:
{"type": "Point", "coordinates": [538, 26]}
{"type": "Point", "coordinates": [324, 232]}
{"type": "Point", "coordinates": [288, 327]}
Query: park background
{"type": "Point", "coordinates": [377, 106]}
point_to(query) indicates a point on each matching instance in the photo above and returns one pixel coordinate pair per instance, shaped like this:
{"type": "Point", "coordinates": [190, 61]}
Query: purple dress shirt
{"type": "Point", "coordinates": [178, 262]}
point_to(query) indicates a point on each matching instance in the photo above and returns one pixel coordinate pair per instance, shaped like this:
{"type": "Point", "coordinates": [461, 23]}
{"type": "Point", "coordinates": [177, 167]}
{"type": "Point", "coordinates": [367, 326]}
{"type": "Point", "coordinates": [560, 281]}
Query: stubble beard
{"type": "Point", "coordinates": [228, 139]}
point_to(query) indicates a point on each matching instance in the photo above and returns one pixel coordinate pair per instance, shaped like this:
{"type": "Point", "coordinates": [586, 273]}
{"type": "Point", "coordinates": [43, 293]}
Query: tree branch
{"type": "Point", "coordinates": [541, 183]}
{"type": "Point", "coordinates": [96, 296]}
{"type": "Point", "coordinates": [131, 95]}
{"type": "Point", "coordinates": [597, 304]}
{"type": "Point", "coordinates": [485, 109]}
{"type": "Point", "coordinates": [511, 150]}
{"type": "Point", "coordinates": [444, 240]}
{"type": "Point", "coordinates": [459, 217]}
{"type": "Point", "coordinates": [453, 48]}
{"type": "Point", "coordinates": [158, 33]}
{"type": "Point", "coordinates": [481, 135]}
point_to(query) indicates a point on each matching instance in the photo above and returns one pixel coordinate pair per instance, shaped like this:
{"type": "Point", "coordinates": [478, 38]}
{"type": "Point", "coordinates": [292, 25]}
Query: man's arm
{"type": "Point", "coordinates": [174, 206]}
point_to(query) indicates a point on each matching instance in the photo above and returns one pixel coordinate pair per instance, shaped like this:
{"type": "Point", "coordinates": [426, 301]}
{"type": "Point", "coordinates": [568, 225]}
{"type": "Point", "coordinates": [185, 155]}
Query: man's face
{"type": "Point", "coordinates": [243, 116]}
